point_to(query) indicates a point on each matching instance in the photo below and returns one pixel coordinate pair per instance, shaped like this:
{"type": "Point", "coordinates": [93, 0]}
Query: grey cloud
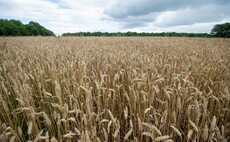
{"type": "Point", "coordinates": [134, 21]}
{"type": "Point", "coordinates": [128, 25]}
{"type": "Point", "coordinates": [4, 5]}
{"type": "Point", "coordinates": [133, 13]}
{"type": "Point", "coordinates": [142, 7]}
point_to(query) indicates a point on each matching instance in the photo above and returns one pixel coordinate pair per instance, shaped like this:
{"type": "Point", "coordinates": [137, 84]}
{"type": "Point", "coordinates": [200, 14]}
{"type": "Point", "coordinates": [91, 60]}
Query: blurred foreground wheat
{"type": "Point", "coordinates": [114, 89]}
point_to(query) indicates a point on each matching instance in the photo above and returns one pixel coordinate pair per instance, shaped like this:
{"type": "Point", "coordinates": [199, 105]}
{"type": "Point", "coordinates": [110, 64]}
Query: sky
{"type": "Point", "coordinates": [61, 16]}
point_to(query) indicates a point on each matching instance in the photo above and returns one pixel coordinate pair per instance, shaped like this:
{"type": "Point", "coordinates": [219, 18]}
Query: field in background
{"type": "Point", "coordinates": [114, 89]}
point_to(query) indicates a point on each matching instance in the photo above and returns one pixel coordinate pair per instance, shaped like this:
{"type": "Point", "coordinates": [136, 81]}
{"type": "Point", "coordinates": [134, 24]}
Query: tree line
{"type": "Point", "coordinates": [17, 28]}
{"type": "Point", "coordinates": [219, 30]}
{"type": "Point", "coordinates": [137, 34]}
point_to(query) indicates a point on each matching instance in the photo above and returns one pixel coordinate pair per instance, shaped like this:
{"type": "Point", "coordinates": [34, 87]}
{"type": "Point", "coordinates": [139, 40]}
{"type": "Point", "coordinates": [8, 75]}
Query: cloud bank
{"type": "Point", "coordinates": [119, 15]}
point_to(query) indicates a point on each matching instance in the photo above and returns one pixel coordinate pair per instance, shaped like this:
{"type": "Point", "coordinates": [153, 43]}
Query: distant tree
{"type": "Point", "coordinates": [11, 29]}
{"type": "Point", "coordinates": [23, 31]}
{"type": "Point", "coordinates": [16, 28]}
{"type": "Point", "coordinates": [16, 22]}
{"type": "Point", "coordinates": [137, 34]}
{"type": "Point", "coordinates": [1, 27]}
{"type": "Point", "coordinates": [221, 30]}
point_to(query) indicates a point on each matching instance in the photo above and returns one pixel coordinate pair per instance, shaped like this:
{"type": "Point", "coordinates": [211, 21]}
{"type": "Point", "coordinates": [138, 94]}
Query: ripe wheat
{"type": "Point", "coordinates": [114, 89]}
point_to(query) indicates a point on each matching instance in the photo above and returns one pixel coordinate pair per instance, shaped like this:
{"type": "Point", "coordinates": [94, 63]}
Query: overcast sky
{"type": "Point", "coordinates": [119, 15]}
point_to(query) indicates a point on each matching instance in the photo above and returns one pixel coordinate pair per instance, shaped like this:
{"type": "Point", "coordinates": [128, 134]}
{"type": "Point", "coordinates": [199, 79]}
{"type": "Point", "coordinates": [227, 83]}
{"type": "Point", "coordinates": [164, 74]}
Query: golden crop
{"type": "Point", "coordinates": [114, 89]}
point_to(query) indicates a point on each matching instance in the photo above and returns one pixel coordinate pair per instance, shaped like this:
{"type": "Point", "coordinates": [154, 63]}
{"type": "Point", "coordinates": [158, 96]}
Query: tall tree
{"type": "Point", "coordinates": [221, 30]}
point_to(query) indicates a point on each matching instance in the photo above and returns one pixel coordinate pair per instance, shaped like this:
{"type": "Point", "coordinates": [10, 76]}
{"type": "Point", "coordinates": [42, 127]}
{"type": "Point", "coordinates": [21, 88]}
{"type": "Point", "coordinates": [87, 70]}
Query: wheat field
{"type": "Point", "coordinates": [114, 89]}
